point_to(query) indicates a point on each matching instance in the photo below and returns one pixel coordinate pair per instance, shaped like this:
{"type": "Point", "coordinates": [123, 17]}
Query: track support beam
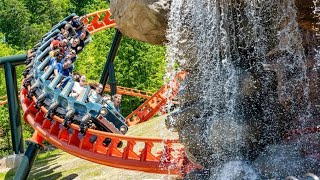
{"type": "Point", "coordinates": [12, 93]}
{"type": "Point", "coordinates": [108, 67]}
{"type": "Point", "coordinates": [27, 161]}
{"type": "Point", "coordinates": [34, 145]}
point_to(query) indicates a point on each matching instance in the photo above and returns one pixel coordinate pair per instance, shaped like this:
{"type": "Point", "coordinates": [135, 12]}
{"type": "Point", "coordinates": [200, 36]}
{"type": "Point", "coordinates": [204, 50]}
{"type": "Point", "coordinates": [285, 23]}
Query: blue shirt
{"type": "Point", "coordinates": [116, 108]}
{"type": "Point", "coordinates": [52, 61]}
{"type": "Point", "coordinates": [76, 23]}
{"type": "Point", "coordinates": [65, 72]}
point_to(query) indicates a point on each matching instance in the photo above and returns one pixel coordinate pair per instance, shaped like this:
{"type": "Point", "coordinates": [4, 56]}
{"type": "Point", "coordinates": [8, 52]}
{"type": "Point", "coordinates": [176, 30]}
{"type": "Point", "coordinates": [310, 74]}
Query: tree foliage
{"type": "Point", "coordinates": [23, 22]}
{"type": "Point", "coordinates": [14, 19]}
{"type": "Point", "coordinates": [6, 50]}
{"type": "Point", "coordinates": [137, 65]}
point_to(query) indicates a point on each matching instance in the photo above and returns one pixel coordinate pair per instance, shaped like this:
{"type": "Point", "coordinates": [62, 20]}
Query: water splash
{"type": "Point", "coordinates": [247, 79]}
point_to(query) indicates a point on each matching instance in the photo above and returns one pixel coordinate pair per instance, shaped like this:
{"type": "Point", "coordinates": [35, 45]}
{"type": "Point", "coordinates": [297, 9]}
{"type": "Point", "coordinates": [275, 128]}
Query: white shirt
{"type": "Point", "coordinates": [77, 88]}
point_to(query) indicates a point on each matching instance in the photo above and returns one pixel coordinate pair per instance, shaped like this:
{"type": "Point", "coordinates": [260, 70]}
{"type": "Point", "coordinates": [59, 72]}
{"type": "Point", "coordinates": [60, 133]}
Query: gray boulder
{"type": "Point", "coordinates": [144, 20]}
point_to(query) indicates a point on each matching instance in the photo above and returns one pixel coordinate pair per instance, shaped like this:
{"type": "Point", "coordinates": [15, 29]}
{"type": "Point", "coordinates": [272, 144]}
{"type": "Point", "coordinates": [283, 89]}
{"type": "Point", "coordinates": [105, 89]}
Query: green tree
{"type": "Point", "coordinates": [78, 5]}
{"type": "Point", "coordinates": [6, 50]}
{"type": "Point", "coordinates": [24, 21]}
{"type": "Point", "coordinates": [14, 18]}
{"type": "Point", "coordinates": [48, 12]}
{"type": "Point", "coordinates": [137, 65]}
{"type": "Point", "coordinates": [141, 66]}
{"type": "Point", "coordinates": [39, 10]}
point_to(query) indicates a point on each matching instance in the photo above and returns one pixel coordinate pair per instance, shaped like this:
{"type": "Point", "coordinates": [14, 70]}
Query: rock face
{"type": "Point", "coordinates": [144, 20]}
{"type": "Point", "coordinates": [306, 17]}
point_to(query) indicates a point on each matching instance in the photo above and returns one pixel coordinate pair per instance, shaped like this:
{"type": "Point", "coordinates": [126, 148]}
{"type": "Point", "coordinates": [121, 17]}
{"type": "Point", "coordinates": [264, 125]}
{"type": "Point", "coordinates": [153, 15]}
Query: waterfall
{"type": "Point", "coordinates": [247, 80]}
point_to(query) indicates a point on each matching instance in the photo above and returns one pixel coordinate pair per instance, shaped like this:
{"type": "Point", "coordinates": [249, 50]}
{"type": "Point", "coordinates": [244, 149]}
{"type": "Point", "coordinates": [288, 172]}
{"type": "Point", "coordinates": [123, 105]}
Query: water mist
{"type": "Point", "coordinates": [248, 83]}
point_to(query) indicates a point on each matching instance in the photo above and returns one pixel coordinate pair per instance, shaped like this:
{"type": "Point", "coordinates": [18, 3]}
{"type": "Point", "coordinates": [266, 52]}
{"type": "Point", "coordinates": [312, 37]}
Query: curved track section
{"type": "Point", "coordinates": [153, 155]}
{"type": "Point", "coordinates": [46, 108]}
{"type": "Point", "coordinates": [131, 92]}
{"type": "Point", "coordinates": [98, 21]}
{"type": "Point", "coordinates": [157, 101]}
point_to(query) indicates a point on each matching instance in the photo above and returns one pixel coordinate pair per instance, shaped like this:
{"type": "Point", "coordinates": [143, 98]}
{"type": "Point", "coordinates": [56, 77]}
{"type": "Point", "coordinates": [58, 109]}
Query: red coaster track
{"type": "Point", "coordinates": [98, 21]}
{"type": "Point", "coordinates": [130, 92]}
{"type": "Point", "coordinates": [137, 153]}
{"type": "Point", "coordinates": [158, 100]}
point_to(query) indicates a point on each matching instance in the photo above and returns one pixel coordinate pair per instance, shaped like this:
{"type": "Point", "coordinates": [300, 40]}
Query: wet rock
{"type": "Point", "coordinates": [231, 111]}
{"type": "Point", "coordinates": [235, 170]}
{"type": "Point", "coordinates": [198, 175]}
{"type": "Point", "coordinates": [282, 160]}
{"type": "Point", "coordinates": [144, 20]}
{"type": "Point", "coordinates": [306, 17]}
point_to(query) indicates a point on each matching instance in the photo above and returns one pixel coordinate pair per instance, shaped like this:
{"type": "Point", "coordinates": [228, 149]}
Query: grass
{"type": "Point", "coordinates": [56, 164]}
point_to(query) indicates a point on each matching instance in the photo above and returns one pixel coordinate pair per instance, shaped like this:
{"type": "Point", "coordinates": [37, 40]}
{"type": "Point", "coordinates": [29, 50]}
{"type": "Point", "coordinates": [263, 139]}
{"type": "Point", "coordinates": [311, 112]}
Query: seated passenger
{"type": "Point", "coordinates": [68, 27]}
{"type": "Point", "coordinates": [82, 38]}
{"type": "Point", "coordinates": [68, 57]}
{"type": "Point", "coordinates": [31, 53]}
{"type": "Point", "coordinates": [64, 35]}
{"type": "Point", "coordinates": [52, 57]}
{"type": "Point", "coordinates": [78, 86]}
{"type": "Point", "coordinates": [115, 103]}
{"type": "Point", "coordinates": [59, 57]}
{"type": "Point", "coordinates": [62, 45]}
{"type": "Point", "coordinates": [74, 55]}
{"type": "Point", "coordinates": [95, 94]}
{"type": "Point", "coordinates": [76, 76]}
{"type": "Point", "coordinates": [74, 44]}
{"type": "Point", "coordinates": [76, 22]}
{"type": "Point", "coordinates": [65, 69]}
{"type": "Point", "coordinates": [107, 99]}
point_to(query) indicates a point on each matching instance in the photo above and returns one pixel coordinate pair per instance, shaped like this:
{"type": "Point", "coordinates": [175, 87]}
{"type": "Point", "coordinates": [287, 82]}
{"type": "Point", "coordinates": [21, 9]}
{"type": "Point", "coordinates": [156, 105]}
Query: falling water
{"type": "Point", "coordinates": [247, 79]}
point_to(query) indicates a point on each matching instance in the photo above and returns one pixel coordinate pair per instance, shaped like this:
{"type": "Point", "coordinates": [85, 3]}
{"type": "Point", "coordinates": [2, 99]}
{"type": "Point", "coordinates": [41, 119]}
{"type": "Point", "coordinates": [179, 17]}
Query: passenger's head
{"type": "Point", "coordinates": [73, 53]}
{"type": "Point", "coordinates": [67, 64]}
{"type": "Point", "coordinates": [99, 88]}
{"type": "Point", "coordinates": [75, 42]}
{"type": "Point", "coordinates": [82, 80]}
{"type": "Point", "coordinates": [116, 99]}
{"type": "Point", "coordinates": [76, 77]}
{"type": "Point", "coordinates": [64, 42]}
{"type": "Point", "coordinates": [82, 36]}
{"type": "Point", "coordinates": [68, 57]}
{"type": "Point", "coordinates": [107, 98]}
{"type": "Point", "coordinates": [65, 34]}
{"type": "Point", "coordinates": [82, 18]}
{"type": "Point", "coordinates": [52, 53]}
{"type": "Point", "coordinates": [60, 57]}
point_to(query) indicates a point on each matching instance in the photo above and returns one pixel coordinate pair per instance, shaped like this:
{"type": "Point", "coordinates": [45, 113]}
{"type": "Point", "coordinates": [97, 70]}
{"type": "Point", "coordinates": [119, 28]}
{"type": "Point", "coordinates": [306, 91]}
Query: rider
{"type": "Point", "coordinates": [115, 103]}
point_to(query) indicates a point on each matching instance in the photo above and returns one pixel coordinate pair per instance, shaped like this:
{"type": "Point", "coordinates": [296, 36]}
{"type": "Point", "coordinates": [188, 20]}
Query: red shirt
{"type": "Point", "coordinates": [55, 44]}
